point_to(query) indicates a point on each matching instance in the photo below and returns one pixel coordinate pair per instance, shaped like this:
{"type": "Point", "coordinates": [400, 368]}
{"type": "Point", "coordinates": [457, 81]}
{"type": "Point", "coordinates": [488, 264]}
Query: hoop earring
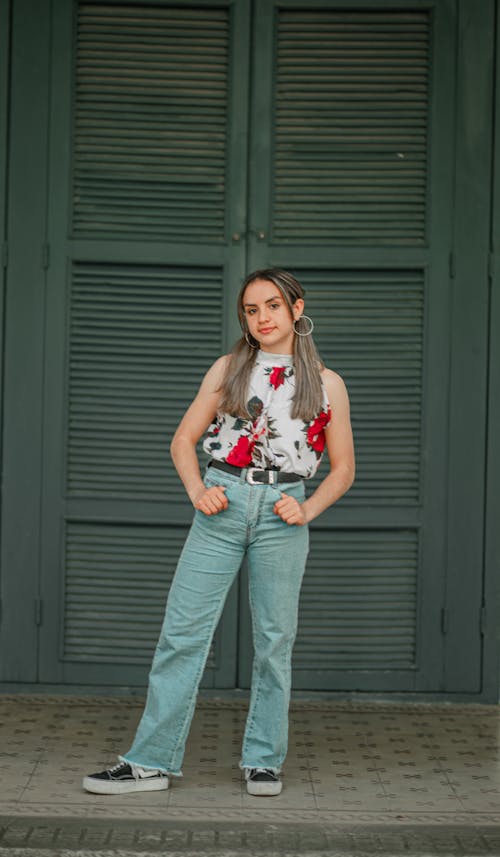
{"type": "Point", "coordinates": [308, 332]}
{"type": "Point", "coordinates": [248, 341]}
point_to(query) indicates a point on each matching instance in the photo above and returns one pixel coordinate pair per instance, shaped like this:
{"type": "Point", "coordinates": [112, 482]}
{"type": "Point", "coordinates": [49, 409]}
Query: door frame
{"type": "Point", "coordinates": [4, 164]}
{"type": "Point", "coordinates": [24, 109]}
{"type": "Point", "coordinates": [491, 603]}
{"type": "Point", "coordinates": [468, 416]}
{"type": "Point", "coordinates": [24, 338]}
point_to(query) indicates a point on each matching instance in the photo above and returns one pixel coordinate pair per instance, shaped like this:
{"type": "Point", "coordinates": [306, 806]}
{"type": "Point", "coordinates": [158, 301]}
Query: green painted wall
{"type": "Point", "coordinates": [157, 153]}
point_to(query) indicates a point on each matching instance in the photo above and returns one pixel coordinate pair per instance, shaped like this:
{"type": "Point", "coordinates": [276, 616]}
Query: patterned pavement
{"type": "Point", "coordinates": [365, 769]}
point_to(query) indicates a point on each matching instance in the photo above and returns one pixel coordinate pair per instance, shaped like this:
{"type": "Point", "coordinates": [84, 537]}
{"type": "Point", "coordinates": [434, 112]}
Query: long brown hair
{"type": "Point", "coordinates": [308, 397]}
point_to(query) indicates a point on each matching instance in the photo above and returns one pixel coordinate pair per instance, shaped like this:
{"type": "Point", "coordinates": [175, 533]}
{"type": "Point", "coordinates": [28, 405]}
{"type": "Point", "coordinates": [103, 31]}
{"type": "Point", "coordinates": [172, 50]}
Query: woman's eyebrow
{"type": "Point", "coordinates": [268, 301]}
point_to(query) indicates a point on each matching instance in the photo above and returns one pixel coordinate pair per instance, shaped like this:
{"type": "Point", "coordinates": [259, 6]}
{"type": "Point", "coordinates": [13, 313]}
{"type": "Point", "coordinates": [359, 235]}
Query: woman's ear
{"type": "Point", "coordinates": [298, 308]}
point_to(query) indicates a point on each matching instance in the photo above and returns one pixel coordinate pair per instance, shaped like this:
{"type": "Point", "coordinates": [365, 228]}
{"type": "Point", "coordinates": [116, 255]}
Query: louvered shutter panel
{"type": "Point", "coordinates": [369, 325]}
{"type": "Point", "coordinates": [361, 603]}
{"type": "Point", "coordinates": [117, 582]}
{"type": "Point", "coordinates": [131, 375]}
{"type": "Point", "coordinates": [351, 124]}
{"type": "Point", "coordinates": [151, 122]}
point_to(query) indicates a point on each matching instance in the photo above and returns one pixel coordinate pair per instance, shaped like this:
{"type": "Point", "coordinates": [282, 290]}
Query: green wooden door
{"type": "Point", "coordinates": [143, 208]}
{"type": "Point", "coordinates": [351, 187]}
{"type": "Point", "coordinates": [184, 150]}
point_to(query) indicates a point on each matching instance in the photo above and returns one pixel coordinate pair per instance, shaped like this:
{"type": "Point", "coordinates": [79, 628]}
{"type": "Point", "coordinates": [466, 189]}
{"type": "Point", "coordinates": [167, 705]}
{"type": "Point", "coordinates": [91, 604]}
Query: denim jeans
{"type": "Point", "coordinates": [215, 547]}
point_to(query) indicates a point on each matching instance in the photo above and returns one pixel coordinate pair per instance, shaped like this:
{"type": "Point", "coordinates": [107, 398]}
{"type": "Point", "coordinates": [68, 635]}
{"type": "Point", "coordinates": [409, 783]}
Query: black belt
{"type": "Point", "coordinates": [255, 475]}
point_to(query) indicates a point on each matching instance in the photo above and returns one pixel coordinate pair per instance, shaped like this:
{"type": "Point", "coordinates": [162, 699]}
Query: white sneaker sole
{"type": "Point", "coordinates": [107, 787]}
{"type": "Point", "coordinates": [264, 789]}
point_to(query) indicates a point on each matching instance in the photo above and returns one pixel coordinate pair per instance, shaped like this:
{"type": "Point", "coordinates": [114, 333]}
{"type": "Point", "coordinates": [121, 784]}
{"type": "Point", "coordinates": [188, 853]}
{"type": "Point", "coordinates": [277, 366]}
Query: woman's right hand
{"type": "Point", "coordinates": [211, 500]}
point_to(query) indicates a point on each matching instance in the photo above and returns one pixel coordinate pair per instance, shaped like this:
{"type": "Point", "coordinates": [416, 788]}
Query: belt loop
{"type": "Point", "coordinates": [243, 474]}
{"type": "Point", "coordinates": [273, 477]}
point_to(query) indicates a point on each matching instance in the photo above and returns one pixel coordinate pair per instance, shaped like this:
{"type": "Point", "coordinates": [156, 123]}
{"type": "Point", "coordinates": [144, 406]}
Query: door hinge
{"type": "Point", "coordinates": [451, 265]}
{"type": "Point", "coordinates": [38, 611]}
{"type": "Point", "coordinates": [45, 256]}
{"type": "Point", "coordinates": [482, 621]}
{"type": "Point", "coordinates": [5, 254]}
{"type": "Point", "coordinates": [445, 620]}
{"type": "Point", "coordinates": [491, 265]}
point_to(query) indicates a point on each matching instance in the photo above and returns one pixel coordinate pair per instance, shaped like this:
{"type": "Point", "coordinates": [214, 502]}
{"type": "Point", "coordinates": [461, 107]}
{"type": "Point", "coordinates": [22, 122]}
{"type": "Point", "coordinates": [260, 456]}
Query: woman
{"type": "Point", "coordinates": [271, 407]}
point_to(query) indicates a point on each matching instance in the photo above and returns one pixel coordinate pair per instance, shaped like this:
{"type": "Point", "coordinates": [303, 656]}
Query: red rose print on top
{"type": "Point", "coordinates": [265, 435]}
{"type": "Point", "coordinates": [277, 376]}
{"type": "Point", "coordinates": [316, 431]}
{"type": "Point", "coordinates": [241, 453]}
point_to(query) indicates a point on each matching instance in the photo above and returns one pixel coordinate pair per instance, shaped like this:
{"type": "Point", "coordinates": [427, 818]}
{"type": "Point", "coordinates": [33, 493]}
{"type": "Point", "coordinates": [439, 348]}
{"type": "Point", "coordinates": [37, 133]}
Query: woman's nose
{"type": "Point", "coordinates": [263, 314]}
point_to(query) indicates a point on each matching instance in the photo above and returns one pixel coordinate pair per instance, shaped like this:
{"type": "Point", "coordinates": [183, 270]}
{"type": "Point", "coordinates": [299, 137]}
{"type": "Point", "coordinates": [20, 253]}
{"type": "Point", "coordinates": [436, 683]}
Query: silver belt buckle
{"type": "Point", "coordinates": [272, 476]}
{"type": "Point", "coordinates": [249, 475]}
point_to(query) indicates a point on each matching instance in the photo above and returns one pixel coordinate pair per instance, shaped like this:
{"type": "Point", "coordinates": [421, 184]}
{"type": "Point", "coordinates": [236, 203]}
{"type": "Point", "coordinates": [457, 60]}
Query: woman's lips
{"type": "Point", "coordinates": [266, 329]}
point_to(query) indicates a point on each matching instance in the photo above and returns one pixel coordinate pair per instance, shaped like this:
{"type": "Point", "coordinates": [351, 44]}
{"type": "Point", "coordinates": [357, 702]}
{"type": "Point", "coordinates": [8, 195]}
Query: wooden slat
{"type": "Point", "coordinates": [351, 125]}
{"type": "Point", "coordinates": [141, 339]}
{"type": "Point", "coordinates": [116, 585]}
{"type": "Point", "coordinates": [150, 122]}
{"type": "Point", "coordinates": [358, 604]}
{"type": "Point", "coordinates": [369, 327]}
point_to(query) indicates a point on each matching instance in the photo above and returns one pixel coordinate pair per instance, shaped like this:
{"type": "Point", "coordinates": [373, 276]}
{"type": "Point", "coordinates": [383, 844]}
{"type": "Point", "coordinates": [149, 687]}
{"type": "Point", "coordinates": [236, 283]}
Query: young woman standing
{"type": "Point", "coordinates": [268, 409]}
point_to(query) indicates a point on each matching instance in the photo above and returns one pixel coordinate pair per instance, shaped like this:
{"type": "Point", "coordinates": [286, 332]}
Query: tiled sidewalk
{"type": "Point", "coordinates": [348, 764]}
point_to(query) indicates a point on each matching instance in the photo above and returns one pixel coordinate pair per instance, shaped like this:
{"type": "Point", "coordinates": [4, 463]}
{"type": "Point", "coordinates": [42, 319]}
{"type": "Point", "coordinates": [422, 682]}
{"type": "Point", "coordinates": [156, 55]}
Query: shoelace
{"type": "Point", "coordinates": [262, 771]}
{"type": "Point", "coordinates": [135, 769]}
{"type": "Point", "coordinates": [117, 767]}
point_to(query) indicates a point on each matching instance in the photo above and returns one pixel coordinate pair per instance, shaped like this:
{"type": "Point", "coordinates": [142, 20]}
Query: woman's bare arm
{"type": "Point", "coordinates": [194, 423]}
{"type": "Point", "coordinates": [340, 448]}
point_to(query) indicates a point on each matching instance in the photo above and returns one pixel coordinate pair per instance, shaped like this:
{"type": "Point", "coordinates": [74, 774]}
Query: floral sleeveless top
{"type": "Point", "coordinates": [270, 438]}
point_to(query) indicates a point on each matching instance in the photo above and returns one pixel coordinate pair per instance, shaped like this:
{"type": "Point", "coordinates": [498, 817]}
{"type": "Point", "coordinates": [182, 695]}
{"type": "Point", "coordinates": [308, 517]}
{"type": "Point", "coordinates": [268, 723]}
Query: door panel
{"type": "Point", "coordinates": [351, 97]}
{"type": "Point", "coordinates": [150, 121]}
{"type": "Point", "coordinates": [142, 213]}
{"type": "Point", "coordinates": [358, 205]}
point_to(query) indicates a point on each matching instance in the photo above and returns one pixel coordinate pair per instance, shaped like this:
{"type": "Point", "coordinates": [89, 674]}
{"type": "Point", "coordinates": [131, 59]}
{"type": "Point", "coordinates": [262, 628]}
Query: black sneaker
{"type": "Point", "coordinates": [263, 782]}
{"type": "Point", "coordinates": [125, 778]}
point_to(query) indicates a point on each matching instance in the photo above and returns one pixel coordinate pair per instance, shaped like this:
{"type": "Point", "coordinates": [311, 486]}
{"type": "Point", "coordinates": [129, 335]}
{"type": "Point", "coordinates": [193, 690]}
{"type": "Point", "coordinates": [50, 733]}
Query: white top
{"type": "Point", "coordinates": [270, 438]}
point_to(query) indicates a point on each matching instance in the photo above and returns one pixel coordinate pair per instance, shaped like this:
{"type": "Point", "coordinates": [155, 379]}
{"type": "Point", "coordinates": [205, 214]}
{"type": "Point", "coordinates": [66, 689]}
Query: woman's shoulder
{"type": "Point", "coordinates": [334, 383]}
{"type": "Point", "coordinates": [220, 365]}
{"type": "Point", "coordinates": [215, 375]}
{"type": "Point", "coordinates": [222, 362]}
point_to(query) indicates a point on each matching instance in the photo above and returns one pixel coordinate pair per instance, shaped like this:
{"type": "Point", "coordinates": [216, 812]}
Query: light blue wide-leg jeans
{"type": "Point", "coordinates": [209, 562]}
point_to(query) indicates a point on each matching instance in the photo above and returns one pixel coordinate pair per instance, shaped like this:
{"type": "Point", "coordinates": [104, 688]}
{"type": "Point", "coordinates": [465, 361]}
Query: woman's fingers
{"type": "Point", "coordinates": [290, 510]}
{"type": "Point", "coordinates": [212, 501]}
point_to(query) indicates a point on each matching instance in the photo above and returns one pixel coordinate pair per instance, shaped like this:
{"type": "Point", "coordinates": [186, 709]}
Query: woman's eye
{"type": "Point", "coordinates": [275, 306]}
{"type": "Point", "coordinates": [250, 311]}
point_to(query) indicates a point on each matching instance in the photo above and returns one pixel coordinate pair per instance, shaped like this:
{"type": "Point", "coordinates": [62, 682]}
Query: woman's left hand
{"type": "Point", "coordinates": [290, 511]}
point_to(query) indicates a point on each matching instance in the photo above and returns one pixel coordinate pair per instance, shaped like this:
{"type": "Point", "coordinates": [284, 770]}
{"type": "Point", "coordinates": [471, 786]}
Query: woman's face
{"type": "Point", "coordinates": [268, 317]}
